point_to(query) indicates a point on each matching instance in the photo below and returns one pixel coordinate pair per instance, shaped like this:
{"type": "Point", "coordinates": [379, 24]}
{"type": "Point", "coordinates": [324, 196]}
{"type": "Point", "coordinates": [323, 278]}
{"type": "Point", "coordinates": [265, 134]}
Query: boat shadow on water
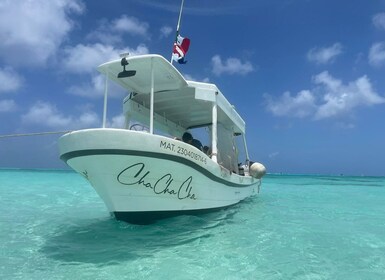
{"type": "Point", "coordinates": [109, 241]}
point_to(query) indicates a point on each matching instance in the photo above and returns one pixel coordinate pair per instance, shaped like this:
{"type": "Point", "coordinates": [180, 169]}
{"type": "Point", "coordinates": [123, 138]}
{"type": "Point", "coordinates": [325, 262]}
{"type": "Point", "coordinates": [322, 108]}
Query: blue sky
{"type": "Point", "coordinates": [306, 75]}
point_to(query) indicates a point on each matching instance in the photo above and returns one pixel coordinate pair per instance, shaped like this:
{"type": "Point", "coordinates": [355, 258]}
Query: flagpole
{"type": "Point", "coordinates": [177, 26]}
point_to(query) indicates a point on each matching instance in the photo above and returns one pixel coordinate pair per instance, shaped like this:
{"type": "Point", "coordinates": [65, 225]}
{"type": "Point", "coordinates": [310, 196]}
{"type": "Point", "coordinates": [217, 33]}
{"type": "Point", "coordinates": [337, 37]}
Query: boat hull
{"type": "Point", "coordinates": [142, 177]}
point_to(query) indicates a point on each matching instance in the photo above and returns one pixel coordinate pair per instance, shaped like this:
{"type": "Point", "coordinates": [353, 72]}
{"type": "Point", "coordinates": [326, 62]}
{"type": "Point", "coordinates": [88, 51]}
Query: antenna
{"type": "Point", "coordinates": [177, 26]}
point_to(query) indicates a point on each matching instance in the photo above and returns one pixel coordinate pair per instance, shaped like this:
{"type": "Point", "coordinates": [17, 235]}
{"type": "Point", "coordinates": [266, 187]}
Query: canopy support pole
{"type": "Point", "coordinates": [246, 151]}
{"type": "Point", "coordinates": [214, 136]}
{"type": "Point", "coordinates": [152, 98]}
{"type": "Point", "coordinates": [105, 102]}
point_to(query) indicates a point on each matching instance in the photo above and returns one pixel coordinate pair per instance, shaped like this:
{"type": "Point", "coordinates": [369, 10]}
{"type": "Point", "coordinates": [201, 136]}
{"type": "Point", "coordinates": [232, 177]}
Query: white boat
{"type": "Point", "coordinates": [146, 174]}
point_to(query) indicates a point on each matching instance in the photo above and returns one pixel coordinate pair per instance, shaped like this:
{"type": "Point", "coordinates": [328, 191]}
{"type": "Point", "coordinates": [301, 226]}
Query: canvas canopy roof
{"type": "Point", "coordinates": [186, 103]}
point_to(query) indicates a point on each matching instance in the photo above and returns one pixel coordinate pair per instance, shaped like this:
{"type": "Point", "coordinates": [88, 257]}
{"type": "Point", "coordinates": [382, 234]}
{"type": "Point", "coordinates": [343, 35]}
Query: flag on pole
{"type": "Point", "coordinates": [180, 49]}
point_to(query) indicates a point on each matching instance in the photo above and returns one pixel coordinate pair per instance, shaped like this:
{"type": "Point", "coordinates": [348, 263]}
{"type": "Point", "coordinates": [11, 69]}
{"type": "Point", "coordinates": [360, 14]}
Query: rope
{"type": "Point", "coordinates": [34, 134]}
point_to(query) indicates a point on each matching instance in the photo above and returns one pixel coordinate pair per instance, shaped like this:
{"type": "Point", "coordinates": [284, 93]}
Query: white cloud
{"type": "Point", "coordinates": [32, 31]}
{"type": "Point", "coordinates": [92, 89]}
{"type": "Point", "coordinates": [192, 78]}
{"type": "Point", "coordinates": [379, 20]}
{"type": "Point", "coordinates": [301, 105]}
{"type": "Point", "coordinates": [111, 32]}
{"type": "Point", "coordinates": [324, 55]}
{"type": "Point", "coordinates": [377, 54]}
{"type": "Point", "coordinates": [165, 31]}
{"type": "Point", "coordinates": [117, 122]}
{"type": "Point", "coordinates": [130, 25]}
{"type": "Point", "coordinates": [95, 88]}
{"type": "Point", "coordinates": [46, 114]}
{"type": "Point", "coordinates": [9, 80]}
{"type": "Point", "coordinates": [7, 105]}
{"type": "Point", "coordinates": [88, 119]}
{"type": "Point", "coordinates": [339, 99]}
{"type": "Point", "coordinates": [273, 155]}
{"type": "Point", "coordinates": [330, 98]}
{"type": "Point", "coordinates": [105, 37]}
{"type": "Point", "coordinates": [85, 58]}
{"type": "Point", "coordinates": [230, 66]}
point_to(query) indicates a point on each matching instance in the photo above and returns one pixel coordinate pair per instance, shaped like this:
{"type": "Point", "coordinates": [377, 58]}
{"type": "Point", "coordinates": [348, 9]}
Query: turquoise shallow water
{"type": "Point", "coordinates": [54, 226]}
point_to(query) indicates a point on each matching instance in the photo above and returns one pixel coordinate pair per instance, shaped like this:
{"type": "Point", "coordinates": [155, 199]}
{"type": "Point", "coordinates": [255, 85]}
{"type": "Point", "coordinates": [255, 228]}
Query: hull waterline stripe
{"type": "Point", "coordinates": [92, 152]}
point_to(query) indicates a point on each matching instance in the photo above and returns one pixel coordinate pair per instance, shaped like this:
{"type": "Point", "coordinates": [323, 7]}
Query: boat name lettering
{"type": "Point", "coordinates": [137, 174]}
{"type": "Point", "coordinates": [182, 151]}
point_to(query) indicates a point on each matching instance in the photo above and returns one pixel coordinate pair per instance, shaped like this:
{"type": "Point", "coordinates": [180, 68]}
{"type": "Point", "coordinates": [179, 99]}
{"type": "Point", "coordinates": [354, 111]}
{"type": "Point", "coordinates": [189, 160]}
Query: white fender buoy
{"type": "Point", "coordinates": [257, 170]}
